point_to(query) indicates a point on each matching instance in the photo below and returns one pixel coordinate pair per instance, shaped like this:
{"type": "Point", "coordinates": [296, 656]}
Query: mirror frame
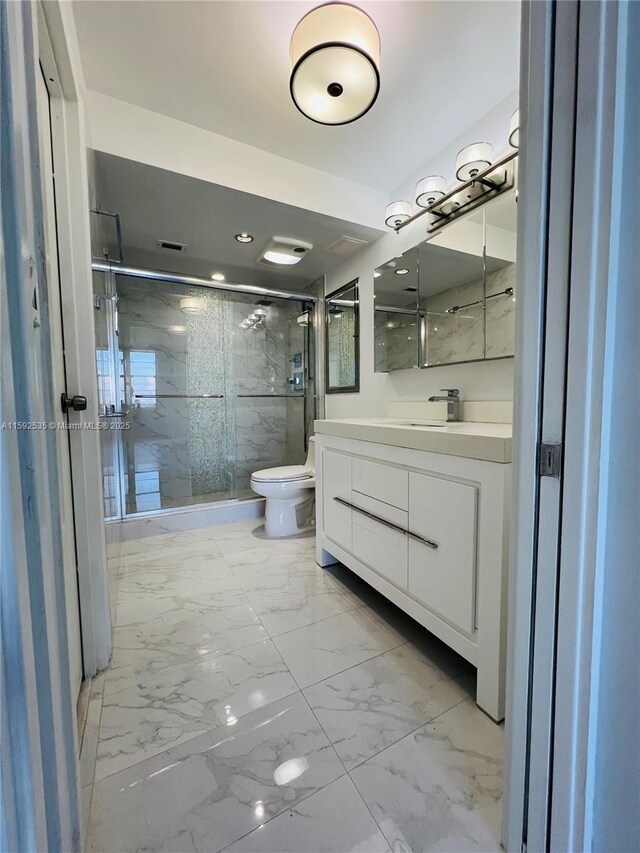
{"type": "Point", "coordinates": [345, 389]}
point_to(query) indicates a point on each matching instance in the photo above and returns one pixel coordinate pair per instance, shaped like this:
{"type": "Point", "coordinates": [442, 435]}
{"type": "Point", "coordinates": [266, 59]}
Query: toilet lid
{"type": "Point", "coordinates": [287, 472]}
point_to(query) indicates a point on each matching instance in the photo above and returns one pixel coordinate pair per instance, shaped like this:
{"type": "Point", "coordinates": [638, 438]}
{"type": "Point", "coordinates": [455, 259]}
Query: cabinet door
{"type": "Point", "coordinates": [336, 482]}
{"type": "Point", "coordinates": [443, 578]}
{"type": "Point", "coordinates": [378, 546]}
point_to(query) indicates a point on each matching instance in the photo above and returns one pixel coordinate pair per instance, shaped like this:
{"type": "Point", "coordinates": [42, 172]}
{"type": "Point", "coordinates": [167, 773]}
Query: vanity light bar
{"type": "Point", "coordinates": [485, 185]}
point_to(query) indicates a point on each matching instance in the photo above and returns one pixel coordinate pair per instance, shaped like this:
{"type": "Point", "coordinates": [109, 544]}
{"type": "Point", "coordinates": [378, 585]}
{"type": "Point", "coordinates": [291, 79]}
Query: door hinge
{"type": "Point", "coordinates": [550, 460]}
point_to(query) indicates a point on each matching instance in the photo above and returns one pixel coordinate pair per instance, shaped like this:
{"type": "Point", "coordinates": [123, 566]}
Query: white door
{"type": "Point", "coordinates": [57, 347]}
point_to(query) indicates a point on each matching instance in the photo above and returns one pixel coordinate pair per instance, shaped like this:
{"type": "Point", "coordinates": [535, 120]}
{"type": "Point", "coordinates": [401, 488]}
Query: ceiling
{"type": "Point", "coordinates": [224, 66]}
{"type": "Point", "coordinates": [156, 204]}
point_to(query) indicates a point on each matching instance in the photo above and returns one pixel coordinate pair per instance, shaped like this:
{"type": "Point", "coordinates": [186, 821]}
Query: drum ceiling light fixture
{"type": "Point", "coordinates": [335, 58]}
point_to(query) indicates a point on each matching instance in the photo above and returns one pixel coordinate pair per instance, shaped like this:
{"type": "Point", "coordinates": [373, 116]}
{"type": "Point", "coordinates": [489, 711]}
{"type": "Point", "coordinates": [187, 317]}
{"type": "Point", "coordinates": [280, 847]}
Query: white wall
{"type": "Point", "coordinates": [491, 380]}
{"type": "Point", "coordinates": [126, 130]}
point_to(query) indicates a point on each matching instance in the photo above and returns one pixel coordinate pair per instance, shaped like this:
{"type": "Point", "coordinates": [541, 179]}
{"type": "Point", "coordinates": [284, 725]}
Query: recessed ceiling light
{"type": "Point", "coordinates": [402, 271]}
{"type": "Point", "coordinates": [244, 238]}
{"type": "Point", "coordinates": [217, 276]}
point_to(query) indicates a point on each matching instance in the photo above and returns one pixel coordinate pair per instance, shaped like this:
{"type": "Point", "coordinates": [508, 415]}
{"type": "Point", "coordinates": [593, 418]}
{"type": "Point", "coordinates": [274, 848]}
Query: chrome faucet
{"type": "Point", "coordinates": [453, 403]}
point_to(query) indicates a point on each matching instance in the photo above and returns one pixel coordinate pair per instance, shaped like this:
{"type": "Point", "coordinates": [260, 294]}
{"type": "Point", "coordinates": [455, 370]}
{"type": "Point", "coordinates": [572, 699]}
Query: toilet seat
{"type": "Point", "coordinates": [285, 474]}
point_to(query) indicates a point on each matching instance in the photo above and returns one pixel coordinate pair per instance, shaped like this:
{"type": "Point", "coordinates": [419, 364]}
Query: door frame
{"type": "Point", "coordinates": [60, 60]}
{"type": "Point", "coordinates": [577, 265]}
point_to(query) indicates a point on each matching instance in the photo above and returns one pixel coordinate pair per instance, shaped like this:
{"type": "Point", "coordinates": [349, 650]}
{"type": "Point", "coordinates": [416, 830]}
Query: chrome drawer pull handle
{"type": "Point", "coordinates": [386, 523]}
{"type": "Point", "coordinates": [370, 515]}
{"type": "Point", "coordinates": [428, 542]}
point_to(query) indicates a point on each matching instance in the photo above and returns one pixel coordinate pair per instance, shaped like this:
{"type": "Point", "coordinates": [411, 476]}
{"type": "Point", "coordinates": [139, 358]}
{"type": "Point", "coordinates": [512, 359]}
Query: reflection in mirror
{"type": "Point", "coordinates": [342, 348]}
{"type": "Point", "coordinates": [500, 250]}
{"type": "Point", "coordinates": [396, 318]}
{"type": "Point", "coordinates": [452, 293]}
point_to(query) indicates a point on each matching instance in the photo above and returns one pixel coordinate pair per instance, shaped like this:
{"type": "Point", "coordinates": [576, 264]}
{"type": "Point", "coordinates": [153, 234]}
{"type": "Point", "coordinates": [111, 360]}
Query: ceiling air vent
{"type": "Point", "coordinates": [171, 245]}
{"type": "Point", "coordinates": [345, 247]}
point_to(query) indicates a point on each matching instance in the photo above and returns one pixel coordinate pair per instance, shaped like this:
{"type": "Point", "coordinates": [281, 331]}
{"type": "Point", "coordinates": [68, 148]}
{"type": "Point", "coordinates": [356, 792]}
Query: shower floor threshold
{"type": "Point", "coordinates": [208, 503]}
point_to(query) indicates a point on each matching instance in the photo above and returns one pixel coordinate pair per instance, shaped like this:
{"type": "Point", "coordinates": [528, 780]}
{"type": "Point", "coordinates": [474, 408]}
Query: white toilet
{"type": "Point", "coordinates": [289, 492]}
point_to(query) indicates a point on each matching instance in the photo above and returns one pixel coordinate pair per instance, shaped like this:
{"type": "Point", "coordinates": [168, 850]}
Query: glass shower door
{"type": "Point", "coordinates": [210, 386]}
{"type": "Point", "coordinates": [174, 376]}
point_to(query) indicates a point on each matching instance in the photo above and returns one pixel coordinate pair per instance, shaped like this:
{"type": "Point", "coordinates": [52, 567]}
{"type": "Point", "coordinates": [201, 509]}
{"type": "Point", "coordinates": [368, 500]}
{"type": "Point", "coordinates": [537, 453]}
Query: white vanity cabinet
{"type": "Point", "coordinates": [429, 531]}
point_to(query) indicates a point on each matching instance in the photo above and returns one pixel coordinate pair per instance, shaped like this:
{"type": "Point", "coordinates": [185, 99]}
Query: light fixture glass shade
{"type": "Point", "coordinates": [429, 190]}
{"type": "Point", "coordinates": [473, 159]}
{"type": "Point", "coordinates": [514, 130]}
{"type": "Point", "coordinates": [335, 56]}
{"type": "Point", "coordinates": [396, 213]}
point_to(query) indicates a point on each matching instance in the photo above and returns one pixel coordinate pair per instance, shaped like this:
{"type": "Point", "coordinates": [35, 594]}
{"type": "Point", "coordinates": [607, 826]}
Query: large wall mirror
{"type": "Point", "coordinates": [343, 340]}
{"type": "Point", "coordinates": [452, 298]}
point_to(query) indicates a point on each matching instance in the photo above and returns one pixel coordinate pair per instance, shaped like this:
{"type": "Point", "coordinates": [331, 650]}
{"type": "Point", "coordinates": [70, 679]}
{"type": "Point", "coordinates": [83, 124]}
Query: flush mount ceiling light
{"type": "Point", "coordinates": [244, 238]}
{"type": "Point", "coordinates": [217, 276]}
{"type": "Point", "coordinates": [335, 55]}
{"type": "Point", "coordinates": [396, 213]}
{"type": "Point", "coordinates": [429, 190]}
{"type": "Point", "coordinates": [402, 271]}
{"type": "Point", "coordinates": [473, 159]}
{"type": "Point", "coordinates": [514, 130]}
{"type": "Point", "coordinates": [285, 251]}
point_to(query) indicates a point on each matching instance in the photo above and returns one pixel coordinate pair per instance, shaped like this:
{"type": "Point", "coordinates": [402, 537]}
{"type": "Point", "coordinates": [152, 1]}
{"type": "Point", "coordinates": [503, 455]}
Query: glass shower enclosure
{"type": "Point", "coordinates": [199, 387]}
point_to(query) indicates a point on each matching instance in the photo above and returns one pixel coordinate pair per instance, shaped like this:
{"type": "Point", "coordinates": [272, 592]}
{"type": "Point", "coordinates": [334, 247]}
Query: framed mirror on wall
{"type": "Point", "coordinates": [451, 299]}
{"type": "Point", "coordinates": [343, 340]}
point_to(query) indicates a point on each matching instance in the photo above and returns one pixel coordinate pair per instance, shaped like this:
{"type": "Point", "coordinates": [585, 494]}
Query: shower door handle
{"type": "Point", "coordinates": [179, 396]}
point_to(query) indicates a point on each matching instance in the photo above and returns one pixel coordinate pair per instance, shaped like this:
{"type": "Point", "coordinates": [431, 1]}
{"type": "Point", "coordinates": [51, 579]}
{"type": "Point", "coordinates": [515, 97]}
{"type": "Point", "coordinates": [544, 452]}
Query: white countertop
{"type": "Point", "coordinates": [485, 441]}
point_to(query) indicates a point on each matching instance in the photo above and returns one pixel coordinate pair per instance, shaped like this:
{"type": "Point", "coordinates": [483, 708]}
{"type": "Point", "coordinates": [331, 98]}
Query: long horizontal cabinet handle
{"type": "Point", "coordinates": [428, 542]}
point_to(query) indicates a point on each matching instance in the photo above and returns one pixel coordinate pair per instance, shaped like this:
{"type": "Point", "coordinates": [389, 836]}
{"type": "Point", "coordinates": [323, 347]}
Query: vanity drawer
{"type": "Point", "coordinates": [336, 482]}
{"type": "Point", "coordinates": [382, 548]}
{"type": "Point", "coordinates": [443, 578]}
{"type": "Point", "coordinates": [383, 482]}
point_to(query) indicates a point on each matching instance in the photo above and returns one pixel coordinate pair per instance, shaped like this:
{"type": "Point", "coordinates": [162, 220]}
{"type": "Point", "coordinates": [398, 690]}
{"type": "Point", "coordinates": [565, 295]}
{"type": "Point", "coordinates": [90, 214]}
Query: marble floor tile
{"type": "Point", "coordinates": [334, 820]}
{"type": "Point", "coordinates": [258, 552]}
{"type": "Point", "coordinates": [155, 592]}
{"type": "Point", "coordinates": [370, 706]}
{"type": "Point", "coordinates": [155, 544]}
{"type": "Point", "coordinates": [297, 605]}
{"type": "Point", "coordinates": [325, 648]}
{"type": "Point", "coordinates": [207, 793]}
{"type": "Point", "coordinates": [439, 788]}
{"type": "Point", "coordinates": [188, 570]}
{"type": "Point", "coordinates": [181, 702]}
{"type": "Point", "coordinates": [162, 557]}
{"type": "Point", "coordinates": [137, 609]}
{"type": "Point", "coordinates": [178, 638]}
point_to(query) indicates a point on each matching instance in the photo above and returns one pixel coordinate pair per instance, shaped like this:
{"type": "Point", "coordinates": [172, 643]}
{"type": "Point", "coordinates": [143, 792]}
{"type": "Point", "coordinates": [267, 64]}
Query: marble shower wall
{"type": "Point", "coordinates": [183, 450]}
